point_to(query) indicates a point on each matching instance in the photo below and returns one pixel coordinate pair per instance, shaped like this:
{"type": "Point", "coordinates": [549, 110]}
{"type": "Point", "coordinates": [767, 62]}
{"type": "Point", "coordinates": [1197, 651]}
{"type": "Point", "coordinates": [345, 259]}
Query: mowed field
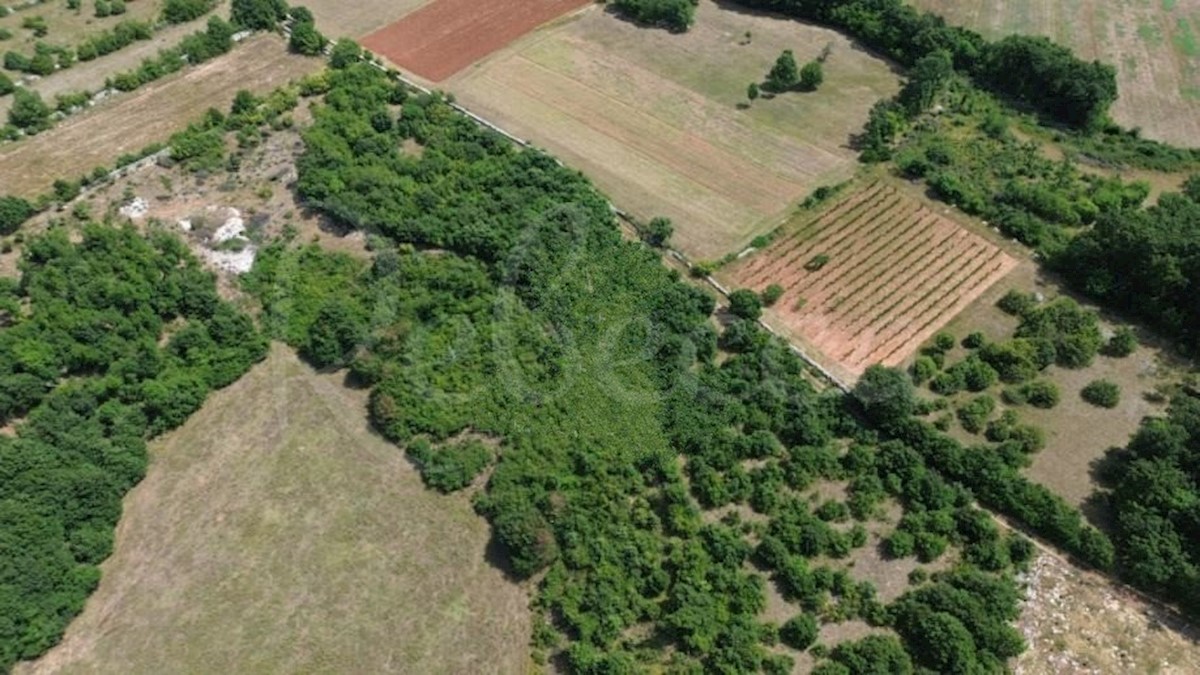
{"type": "Point", "coordinates": [654, 118]}
{"type": "Point", "coordinates": [446, 36]}
{"type": "Point", "coordinates": [896, 272]}
{"type": "Point", "coordinates": [338, 18]}
{"type": "Point", "coordinates": [276, 533]}
{"type": "Point", "coordinates": [151, 114]}
{"type": "Point", "coordinates": [1154, 44]}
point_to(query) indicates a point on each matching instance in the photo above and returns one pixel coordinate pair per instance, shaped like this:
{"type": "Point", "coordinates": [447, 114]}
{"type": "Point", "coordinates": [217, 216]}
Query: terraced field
{"type": "Point", "coordinates": [872, 277]}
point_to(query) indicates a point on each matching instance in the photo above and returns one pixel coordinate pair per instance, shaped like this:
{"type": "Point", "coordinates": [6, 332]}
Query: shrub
{"type": "Point", "coordinates": [13, 212]}
{"type": "Point", "coordinates": [745, 304]}
{"type": "Point", "coordinates": [811, 76]}
{"type": "Point", "coordinates": [452, 467]}
{"type": "Point", "coordinates": [674, 15]}
{"type": "Point", "coordinates": [923, 369]}
{"type": "Point", "coordinates": [974, 340]}
{"type": "Point", "coordinates": [1017, 303]}
{"type": "Point", "coordinates": [659, 231]}
{"type": "Point", "coordinates": [799, 632]}
{"type": "Point", "coordinates": [973, 416]}
{"type": "Point", "coordinates": [772, 294]}
{"type": "Point", "coordinates": [817, 262]}
{"type": "Point", "coordinates": [1041, 394]}
{"type": "Point", "coordinates": [1122, 343]}
{"type": "Point", "coordinates": [1102, 393]}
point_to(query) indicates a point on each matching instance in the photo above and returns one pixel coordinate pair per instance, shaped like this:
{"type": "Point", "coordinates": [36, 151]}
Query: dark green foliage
{"type": "Point", "coordinates": [799, 632]}
{"type": "Point", "coordinates": [1049, 77]}
{"type": "Point", "coordinates": [885, 394]}
{"type": "Point", "coordinates": [1102, 393]}
{"type": "Point", "coordinates": [450, 467]}
{"type": "Point", "coordinates": [771, 294]}
{"type": "Point", "coordinates": [1041, 394]}
{"type": "Point", "coordinates": [182, 11]}
{"type": "Point", "coordinates": [1072, 330]}
{"type": "Point", "coordinates": [196, 48]}
{"type": "Point", "coordinates": [1017, 303]}
{"type": "Point", "coordinates": [812, 75]}
{"type": "Point", "coordinates": [1123, 343]}
{"type": "Point", "coordinates": [923, 369]}
{"type": "Point", "coordinates": [659, 231]}
{"type": "Point", "coordinates": [84, 369]}
{"type": "Point", "coordinates": [346, 52]}
{"type": "Point", "coordinates": [13, 212]}
{"type": "Point", "coordinates": [785, 74]}
{"type": "Point", "coordinates": [974, 415]}
{"type": "Point", "coordinates": [6, 85]}
{"type": "Point", "coordinates": [28, 111]}
{"type": "Point", "coordinates": [258, 14]}
{"type": "Point", "coordinates": [926, 80]}
{"type": "Point", "coordinates": [876, 654]}
{"type": "Point", "coordinates": [745, 304]}
{"type": "Point", "coordinates": [1007, 429]}
{"type": "Point", "coordinates": [974, 341]}
{"type": "Point", "coordinates": [305, 38]}
{"type": "Point", "coordinates": [674, 15]}
{"type": "Point", "coordinates": [1143, 261]}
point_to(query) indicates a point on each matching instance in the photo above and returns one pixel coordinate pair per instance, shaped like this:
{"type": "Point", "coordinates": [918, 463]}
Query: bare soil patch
{"type": "Point", "coordinates": [658, 120]}
{"type": "Point", "coordinates": [150, 114]}
{"type": "Point", "coordinates": [872, 277]}
{"type": "Point", "coordinates": [446, 36]}
{"type": "Point", "coordinates": [1078, 622]}
{"type": "Point", "coordinates": [275, 532]}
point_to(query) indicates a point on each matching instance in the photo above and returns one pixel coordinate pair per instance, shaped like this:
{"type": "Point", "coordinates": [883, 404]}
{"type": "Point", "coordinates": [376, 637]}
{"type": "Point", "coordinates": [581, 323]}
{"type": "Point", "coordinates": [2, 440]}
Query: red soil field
{"type": "Point", "coordinates": [446, 36]}
{"type": "Point", "coordinates": [897, 272]}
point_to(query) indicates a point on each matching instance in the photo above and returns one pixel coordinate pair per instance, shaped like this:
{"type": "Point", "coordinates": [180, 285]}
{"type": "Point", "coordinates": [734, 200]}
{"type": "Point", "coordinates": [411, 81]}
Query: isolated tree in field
{"type": "Point", "coordinates": [785, 74]}
{"type": "Point", "coordinates": [28, 111]}
{"type": "Point", "coordinates": [771, 294]}
{"type": "Point", "coordinates": [1102, 393]}
{"type": "Point", "coordinates": [886, 394]}
{"type": "Point", "coordinates": [659, 231]}
{"type": "Point", "coordinates": [751, 91]}
{"type": "Point", "coordinates": [745, 303]}
{"type": "Point", "coordinates": [811, 76]}
{"type": "Point", "coordinates": [1122, 343]}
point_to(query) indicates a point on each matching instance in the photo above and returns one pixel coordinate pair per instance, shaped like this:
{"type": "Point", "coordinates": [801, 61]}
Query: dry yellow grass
{"type": "Point", "coordinates": [151, 114]}
{"type": "Point", "coordinates": [654, 119]}
{"type": "Point", "coordinates": [69, 27]}
{"type": "Point", "coordinates": [276, 533]}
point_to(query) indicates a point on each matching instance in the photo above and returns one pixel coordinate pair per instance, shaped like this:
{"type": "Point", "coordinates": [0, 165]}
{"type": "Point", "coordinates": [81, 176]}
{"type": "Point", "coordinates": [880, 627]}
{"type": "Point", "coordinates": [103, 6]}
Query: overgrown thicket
{"type": "Point", "coordinates": [1031, 70]}
{"type": "Point", "coordinates": [532, 323]}
{"type": "Point", "coordinates": [106, 343]}
{"type": "Point", "coordinates": [1155, 500]}
{"type": "Point", "coordinates": [1145, 262]}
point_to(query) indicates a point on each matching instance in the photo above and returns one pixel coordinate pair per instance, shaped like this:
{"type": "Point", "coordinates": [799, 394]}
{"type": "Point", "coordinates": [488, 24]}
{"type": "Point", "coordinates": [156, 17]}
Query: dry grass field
{"type": "Point", "coordinates": [68, 27]}
{"type": "Point", "coordinates": [1154, 44]}
{"type": "Point", "coordinates": [275, 533]}
{"type": "Point", "coordinates": [338, 18]}
{"type": "Point", "coordinates": [654, 118]}
{"type": "Point", "coordinates": [895, 271]}
{"type": "Point", "coordinates": [151, 114]}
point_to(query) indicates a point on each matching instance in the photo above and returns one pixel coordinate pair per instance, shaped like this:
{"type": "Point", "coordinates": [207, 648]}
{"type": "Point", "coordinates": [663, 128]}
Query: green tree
{"type": "Point", "coordinates": [346, 53]}
{"type": "Point", "coordinates": [659, 231]}
{"type": "Point", "coordinates": [306, 40]}
{"type": "Point", "coordinates": [257, 14]}
{"type": "Point", "coordinates": [785, 74]}
{"type": "Point", "coordinates": [751, 91]}
{"type": "Point", "coordinates": [13, 212]}
{"type": "Point", "coordinates": [886, 394]}
{"type": "Point", "coordinates": [799, 632]}
{"type": "Point", "coordinates": [1102, 393]}
{"type": "Point", "coordinates": [925, 80]}
{"type": "Point", "coordinates": [745, 304]}
{"type": "Point", "coordinates": [771, 294]}
{"type": "Point", "coordinates": [812, 75]}
{"type": "Point", "coordinates": [1123, 343]}
{"type": "Point", "coordinates": [28, 111]}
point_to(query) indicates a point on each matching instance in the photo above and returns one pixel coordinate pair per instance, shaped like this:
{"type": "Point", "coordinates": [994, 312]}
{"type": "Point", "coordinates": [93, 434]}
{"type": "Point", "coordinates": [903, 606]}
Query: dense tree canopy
{"type": "Point", "coordinates": [107, 342]}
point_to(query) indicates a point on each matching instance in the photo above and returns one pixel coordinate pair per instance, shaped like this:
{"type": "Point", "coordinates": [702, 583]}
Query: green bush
{"type": "Point", "coordinates": [799, 632]}
{"type": "Point", "coordinates": [974, 415]}
{"type": "Point", "coordinates": [1102, 393]}
{"type": "Point", "coordinates": [1041, 394]}
{"type": "Point", "coordinates": [451, 467]}
{"type": "Point", "coordinates": [1123, 343]}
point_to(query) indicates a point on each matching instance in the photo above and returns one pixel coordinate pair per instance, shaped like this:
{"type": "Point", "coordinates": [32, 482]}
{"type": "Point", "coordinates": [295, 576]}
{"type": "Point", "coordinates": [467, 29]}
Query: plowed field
{"type": "Point", "coordinates": [896, 272]}
{"type": "Point", "coordinates": [446, 36]}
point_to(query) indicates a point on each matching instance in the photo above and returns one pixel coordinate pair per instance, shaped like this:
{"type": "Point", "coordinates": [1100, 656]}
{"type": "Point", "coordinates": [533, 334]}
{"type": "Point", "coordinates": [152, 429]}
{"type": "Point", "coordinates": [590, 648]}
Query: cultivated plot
{"type": "Point", "coordinates": [1155, 46]}
{"type": "Point", "coordinates": [446, 36]}
{"type": "Point", "coordinates": [151, 114]}
{"type": "Point", "coordinates": [275, 532]}
{"type": "Point", "coordinates": [659, 122]}
{"type": "Point", "coordinates": [871, 278]}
